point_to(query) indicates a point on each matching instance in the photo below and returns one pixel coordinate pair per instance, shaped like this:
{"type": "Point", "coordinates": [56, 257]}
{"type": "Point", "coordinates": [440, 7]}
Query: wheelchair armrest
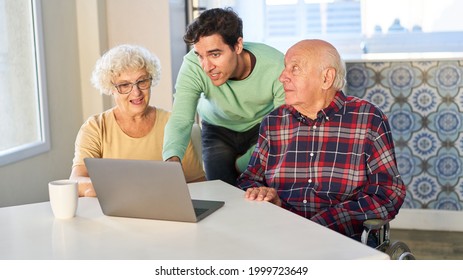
{"type": "Point", "coordinates": [374, 224]}
{"type": "Point", "coordinates": [381, 227]}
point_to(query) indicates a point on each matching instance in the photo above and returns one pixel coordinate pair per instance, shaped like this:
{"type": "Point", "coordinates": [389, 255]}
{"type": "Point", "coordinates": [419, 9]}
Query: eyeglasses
{"type": "Point", "coordinates": [126, 88]}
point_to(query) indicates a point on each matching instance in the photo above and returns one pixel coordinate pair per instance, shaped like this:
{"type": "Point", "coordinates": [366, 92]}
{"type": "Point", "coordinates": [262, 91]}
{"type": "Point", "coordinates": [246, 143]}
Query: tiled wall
{"type": "Point", "coordinates": [424, 103]}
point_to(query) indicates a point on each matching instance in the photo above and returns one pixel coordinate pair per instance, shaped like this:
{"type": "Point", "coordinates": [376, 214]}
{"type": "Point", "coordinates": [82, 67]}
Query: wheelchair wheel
{"type": "Point", "coordinates": [399, 251]}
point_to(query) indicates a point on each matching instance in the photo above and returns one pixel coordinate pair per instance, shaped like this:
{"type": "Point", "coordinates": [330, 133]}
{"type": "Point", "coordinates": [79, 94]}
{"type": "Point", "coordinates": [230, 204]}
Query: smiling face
{"type": "Point", "coordinates": [137, 100]}
{"type": "Point", "coordinates": [217, 59]}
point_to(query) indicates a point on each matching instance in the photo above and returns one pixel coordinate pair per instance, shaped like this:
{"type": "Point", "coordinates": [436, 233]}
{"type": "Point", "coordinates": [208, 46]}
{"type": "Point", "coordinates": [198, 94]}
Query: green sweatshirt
{"type": "Point", "coordinates": [236, 105]}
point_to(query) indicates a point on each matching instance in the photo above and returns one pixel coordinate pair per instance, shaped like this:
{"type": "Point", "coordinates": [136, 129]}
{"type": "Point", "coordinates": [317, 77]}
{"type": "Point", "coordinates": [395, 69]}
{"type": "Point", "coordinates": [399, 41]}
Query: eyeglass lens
{"type": "Point", "coordinates": [126, 88]}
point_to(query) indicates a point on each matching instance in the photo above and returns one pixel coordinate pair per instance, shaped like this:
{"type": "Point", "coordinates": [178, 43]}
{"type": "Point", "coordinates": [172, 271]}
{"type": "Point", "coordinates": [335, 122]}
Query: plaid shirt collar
{"type": "Point", "coordinates": [326, 114]}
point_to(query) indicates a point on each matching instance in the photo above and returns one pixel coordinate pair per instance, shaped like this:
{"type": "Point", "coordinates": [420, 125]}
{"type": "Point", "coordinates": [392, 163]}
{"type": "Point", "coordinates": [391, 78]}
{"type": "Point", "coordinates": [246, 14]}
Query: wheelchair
{"type": "Point", "coordinates": [397, 250]}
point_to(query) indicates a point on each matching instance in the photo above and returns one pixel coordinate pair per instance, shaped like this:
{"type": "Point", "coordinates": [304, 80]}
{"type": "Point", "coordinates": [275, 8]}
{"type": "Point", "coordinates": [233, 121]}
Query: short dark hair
{"type": "Point", "coordinates": [222, 21]}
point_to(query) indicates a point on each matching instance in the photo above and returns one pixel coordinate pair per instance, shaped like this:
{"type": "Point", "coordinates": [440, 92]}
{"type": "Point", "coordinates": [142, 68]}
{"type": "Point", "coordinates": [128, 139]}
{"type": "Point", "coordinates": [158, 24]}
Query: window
{"type": "Point", "coordinates": [23, 111]}
{"type": "Point", "coordinates": [355, 27]}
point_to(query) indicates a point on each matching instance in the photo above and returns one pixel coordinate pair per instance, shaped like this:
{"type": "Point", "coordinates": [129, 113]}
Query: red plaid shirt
{"type": "Point", "coordinates": [337, 170]}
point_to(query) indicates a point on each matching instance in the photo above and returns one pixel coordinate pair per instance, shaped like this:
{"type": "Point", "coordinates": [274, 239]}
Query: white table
{"type": "Point", "coordinates": [240, 230]}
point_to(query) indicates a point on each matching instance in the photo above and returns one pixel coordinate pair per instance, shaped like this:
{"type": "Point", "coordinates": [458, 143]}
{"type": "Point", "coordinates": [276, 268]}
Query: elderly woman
{"type": "Point", "coordinates": [132, 129]}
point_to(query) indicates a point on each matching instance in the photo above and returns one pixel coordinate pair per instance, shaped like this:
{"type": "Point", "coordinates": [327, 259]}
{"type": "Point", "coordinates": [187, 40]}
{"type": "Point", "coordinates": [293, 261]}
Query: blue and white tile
{"type": "Point", "coordinates": [447, 122]}
{"type": "Point", "coordinates": [447, 166]}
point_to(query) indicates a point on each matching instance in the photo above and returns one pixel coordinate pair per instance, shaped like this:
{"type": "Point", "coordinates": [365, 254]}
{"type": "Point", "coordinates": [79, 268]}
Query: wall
{"type": "Point", "coordinates": [423, 100]}
{"type": "Point", "coordinates": [93, 41]}
{"type": "Point", "coordinates": [104, 24]}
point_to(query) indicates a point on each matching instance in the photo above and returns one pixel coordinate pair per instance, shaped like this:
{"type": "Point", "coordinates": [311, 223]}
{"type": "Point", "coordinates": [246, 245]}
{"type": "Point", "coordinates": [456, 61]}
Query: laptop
{"type": "Point", "coordinates": [146, 189]}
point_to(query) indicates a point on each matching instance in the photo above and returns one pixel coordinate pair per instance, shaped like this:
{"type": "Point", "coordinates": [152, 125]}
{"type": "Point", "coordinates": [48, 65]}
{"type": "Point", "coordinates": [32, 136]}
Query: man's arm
{"type": "Point", "coordinates": [177, 133]}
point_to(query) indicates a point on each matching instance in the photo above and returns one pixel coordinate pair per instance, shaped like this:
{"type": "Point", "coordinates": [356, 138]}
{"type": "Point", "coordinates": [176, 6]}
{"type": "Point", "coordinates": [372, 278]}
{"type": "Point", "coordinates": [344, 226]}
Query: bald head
{"type": "Point", "coordinates": [324, 55]}
{"type": "Point", "coordinates": [313, 46]}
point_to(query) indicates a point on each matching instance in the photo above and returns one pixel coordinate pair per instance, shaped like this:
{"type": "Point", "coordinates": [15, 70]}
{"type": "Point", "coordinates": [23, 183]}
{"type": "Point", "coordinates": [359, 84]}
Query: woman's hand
{"type": "Point", "coordinates": [85, 186]}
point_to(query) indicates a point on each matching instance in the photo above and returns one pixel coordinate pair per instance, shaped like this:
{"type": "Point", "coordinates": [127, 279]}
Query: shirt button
{"type": "Point", "coordinates": [327, 118]}
{"type": "Point", "coordinates": [310, 181]}
{"type": "Point", "coordinates": [304, 201]}
{"type": "Point", "coordinates": [311, 154]}
{"type": "Point", "coordinates": [314, 127]}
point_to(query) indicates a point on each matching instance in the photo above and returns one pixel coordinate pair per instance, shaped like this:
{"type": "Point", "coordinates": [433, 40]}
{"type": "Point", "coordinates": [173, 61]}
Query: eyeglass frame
{"type": "Point", "coordinates": [133, 84]}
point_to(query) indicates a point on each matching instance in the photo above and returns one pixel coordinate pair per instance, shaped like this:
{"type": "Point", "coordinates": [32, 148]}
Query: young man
{"type": "Point", "coordinates": [232, 85]}
{"type": "Point", "coordinates": [324, 155]}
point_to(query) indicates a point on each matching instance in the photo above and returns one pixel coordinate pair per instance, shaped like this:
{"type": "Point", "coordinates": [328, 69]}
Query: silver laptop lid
{"type": "Point", "coordinates": [143, 189]}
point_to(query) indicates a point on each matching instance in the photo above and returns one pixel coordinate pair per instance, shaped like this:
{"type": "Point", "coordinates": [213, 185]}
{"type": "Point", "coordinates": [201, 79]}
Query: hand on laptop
{"type": "Point", "coordinates": [263, 194]}
{"type": "Point", "coordinates": [80, 174]}
{"type": "Point", "coordinates": [86, 188]}
{"type": "Point", "coordinates": [174, 158]}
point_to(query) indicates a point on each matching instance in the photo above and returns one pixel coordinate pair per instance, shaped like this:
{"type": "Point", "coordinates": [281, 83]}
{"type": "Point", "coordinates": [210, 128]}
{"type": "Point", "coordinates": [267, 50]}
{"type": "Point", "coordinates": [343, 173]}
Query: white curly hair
{"type": "Point", "coordinates": [120, 59]}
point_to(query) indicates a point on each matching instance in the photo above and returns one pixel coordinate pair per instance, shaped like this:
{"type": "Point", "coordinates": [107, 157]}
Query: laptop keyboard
{"type": "Point", "coordinates": [199, 211]}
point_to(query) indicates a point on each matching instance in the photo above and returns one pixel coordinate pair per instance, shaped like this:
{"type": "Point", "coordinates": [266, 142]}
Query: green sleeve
{"type": "Point", "coordinates": [243, 161]}
{"type": "Point", "coordinates": [178, 129]}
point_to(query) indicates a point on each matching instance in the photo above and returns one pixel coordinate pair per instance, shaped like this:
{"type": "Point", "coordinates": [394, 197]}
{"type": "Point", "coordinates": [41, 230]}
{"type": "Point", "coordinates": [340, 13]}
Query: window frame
{"type": "Point", "coordinates": [31, 149]}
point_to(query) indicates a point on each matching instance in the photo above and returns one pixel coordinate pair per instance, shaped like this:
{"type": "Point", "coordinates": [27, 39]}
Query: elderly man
{"type": "Point", "coordinates": [324, 155]}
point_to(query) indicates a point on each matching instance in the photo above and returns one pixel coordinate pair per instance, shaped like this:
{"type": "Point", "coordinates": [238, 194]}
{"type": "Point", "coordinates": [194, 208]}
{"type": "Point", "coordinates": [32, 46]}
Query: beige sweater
{"type": "Point", "coordinates": [101, 137]}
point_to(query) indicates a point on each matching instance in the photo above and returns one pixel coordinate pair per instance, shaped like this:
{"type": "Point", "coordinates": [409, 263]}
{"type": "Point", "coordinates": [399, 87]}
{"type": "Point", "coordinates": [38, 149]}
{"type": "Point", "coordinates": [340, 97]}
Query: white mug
{"type": "Point", "coordinates": [63, 198]}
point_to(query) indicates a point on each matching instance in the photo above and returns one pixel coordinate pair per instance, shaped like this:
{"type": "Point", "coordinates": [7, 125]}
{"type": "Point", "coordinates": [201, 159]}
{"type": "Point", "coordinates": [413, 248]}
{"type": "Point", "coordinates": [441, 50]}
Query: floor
{"type": "Point", "coordinates": [431, 245]}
